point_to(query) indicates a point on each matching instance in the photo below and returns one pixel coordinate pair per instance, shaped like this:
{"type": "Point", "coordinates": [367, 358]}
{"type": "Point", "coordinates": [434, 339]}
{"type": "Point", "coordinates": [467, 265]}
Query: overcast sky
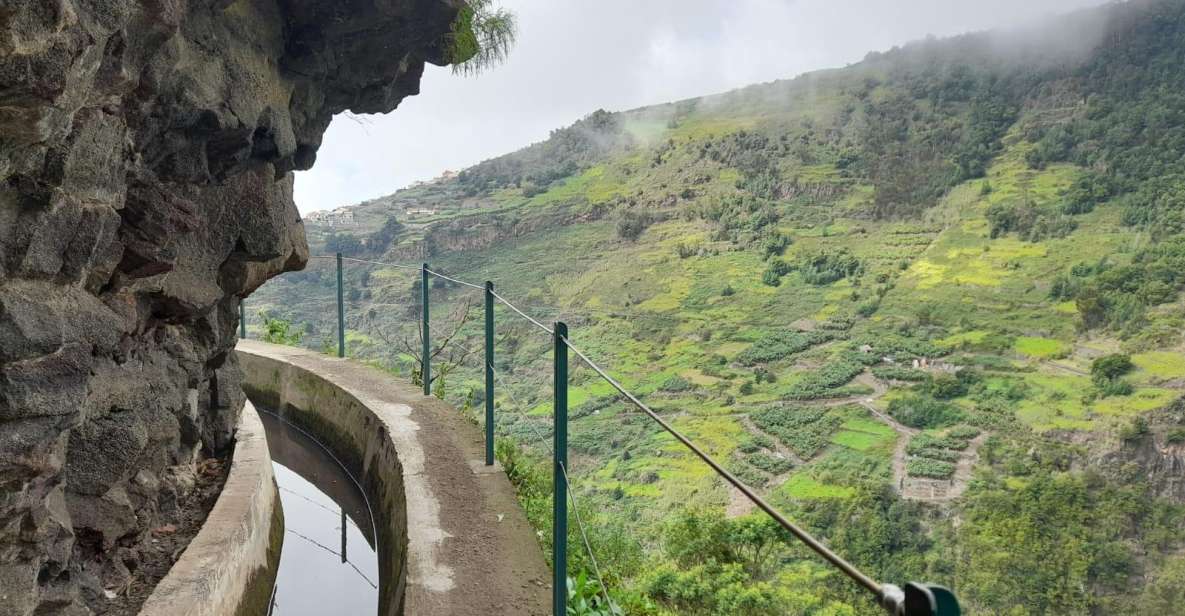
{"type": "Point", "coordinates": [575, 56]}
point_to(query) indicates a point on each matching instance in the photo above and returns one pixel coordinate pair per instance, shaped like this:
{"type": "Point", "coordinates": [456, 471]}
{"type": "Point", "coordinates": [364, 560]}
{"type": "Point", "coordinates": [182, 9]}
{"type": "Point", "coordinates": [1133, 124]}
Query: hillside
{"type": "Point", "coordinates": [930, 304]}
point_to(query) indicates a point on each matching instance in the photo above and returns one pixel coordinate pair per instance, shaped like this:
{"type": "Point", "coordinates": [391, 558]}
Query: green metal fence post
{"type": "Point", "coordinates": [341, 311]}
{"type": "Point", "coordinates": [242, 319]}
{"type": "Point", "coordinates": [425, 368]}
{"type": "Point", "coordinates": [489, 373]}
{"type": "Point", "coordinates": [560, 498]}
{"type": "Point", "coordinates": [343, 526]}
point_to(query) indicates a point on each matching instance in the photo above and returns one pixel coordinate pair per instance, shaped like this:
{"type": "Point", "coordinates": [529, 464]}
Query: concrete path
{"type": "Point", "coordinates": [471, 550]}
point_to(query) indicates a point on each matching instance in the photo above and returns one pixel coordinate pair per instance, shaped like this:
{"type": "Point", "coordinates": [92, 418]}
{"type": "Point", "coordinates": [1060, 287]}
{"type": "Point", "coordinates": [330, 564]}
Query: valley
{"type": "Point", "coordinates": [928, 304]}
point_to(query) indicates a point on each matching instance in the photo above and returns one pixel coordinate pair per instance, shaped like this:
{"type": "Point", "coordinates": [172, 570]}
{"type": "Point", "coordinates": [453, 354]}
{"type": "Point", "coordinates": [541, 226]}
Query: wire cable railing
{"type": "Point", "coordinates": [592, 557]}
{"type": "Point", "coordinates": [910, 599]}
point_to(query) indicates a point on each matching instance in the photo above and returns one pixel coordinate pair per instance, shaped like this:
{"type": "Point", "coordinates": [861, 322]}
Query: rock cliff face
{"type": "Point", "coordinates": [146, 151]}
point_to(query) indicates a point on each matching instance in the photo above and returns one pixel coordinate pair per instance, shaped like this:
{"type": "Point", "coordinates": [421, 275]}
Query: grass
{"type": "Point", "coordinates": [1041, 348]}
{"type": "Point", "coordinates": [800, 486]}
{"type": "Point", "coordinates": [1161, 364]}
{"type": "Point", "coordinates": [865, 435]}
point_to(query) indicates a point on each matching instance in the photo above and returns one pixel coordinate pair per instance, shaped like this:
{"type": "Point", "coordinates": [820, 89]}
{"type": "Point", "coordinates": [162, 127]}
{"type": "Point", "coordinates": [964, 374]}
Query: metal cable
{"type": "Point", "coordinates": [803, 536]}
{"type": "Point", "coordinates": [583, 535]}
{"type": "Point", "coordinates": [571, 493]}
{"type": "Point", "coordinates": [521, 313]}
{"type": "Point", "coordinates": [399, 265]}
{"type": "Point", "coordinates": [522, 414]}
{"type": "Point", "coordinates": [311, 501]}
{"type": "Point", "coordinates": [451, 279]}
{"type": "Point", "coordinates": [564, 469]}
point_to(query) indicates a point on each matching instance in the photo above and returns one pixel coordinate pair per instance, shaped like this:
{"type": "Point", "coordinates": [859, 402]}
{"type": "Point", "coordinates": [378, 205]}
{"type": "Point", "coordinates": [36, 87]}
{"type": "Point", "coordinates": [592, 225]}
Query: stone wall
{"type": "Point", "coordinates": [146, 151]}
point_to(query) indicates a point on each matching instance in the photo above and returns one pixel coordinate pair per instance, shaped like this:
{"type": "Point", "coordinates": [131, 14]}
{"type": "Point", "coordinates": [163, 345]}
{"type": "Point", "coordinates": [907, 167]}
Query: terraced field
{"type": "Point", "coordinates": [921, 362]}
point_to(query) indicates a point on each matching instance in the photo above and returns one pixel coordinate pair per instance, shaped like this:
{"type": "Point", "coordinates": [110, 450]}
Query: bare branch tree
{"type": "Point", "coordinates": [445, 352]}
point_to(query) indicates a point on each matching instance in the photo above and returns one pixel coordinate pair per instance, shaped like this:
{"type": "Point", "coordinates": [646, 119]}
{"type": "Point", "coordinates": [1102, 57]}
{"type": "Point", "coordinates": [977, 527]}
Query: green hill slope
{"type": "Point", "coordinates": [895, 297]}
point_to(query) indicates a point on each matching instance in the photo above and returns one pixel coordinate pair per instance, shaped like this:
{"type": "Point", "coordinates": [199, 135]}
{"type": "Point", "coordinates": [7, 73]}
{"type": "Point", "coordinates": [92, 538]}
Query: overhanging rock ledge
{"type": "Point", "coordinates": [146, 151]}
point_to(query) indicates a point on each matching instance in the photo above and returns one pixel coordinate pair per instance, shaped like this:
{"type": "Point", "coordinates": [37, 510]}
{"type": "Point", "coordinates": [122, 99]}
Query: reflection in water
{"type": "Point", "coordinates": [328, 564]}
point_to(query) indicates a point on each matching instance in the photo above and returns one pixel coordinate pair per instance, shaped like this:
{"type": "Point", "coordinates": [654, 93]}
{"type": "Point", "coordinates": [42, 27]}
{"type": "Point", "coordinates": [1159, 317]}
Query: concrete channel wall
{"type": "Point", "coordinates": [452, 538]}
{"type": "Point", "coordinates": [230, 566]}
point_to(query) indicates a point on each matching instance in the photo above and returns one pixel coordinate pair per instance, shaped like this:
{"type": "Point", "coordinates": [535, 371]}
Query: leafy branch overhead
{"type": "Point", "coordinates": [481, 37]}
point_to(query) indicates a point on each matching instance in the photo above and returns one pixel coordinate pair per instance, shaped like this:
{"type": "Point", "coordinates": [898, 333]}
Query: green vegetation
{"type": "Point", "coordinates": [481, 37]}
{"type": "Point", "coordinates": [279, 331]}
{"type": "Point", "coordinates": [899, 373]}
{"type": "Point", "coordinates": [805, 430]}
{"type": "Point", "coordinates": [930, 468]}
{"type": "Point", "coordinates": [979, 238]}
{"type": "Point", "coordinates": [780, 345]}
{"type": "Point", "coordinates": [922, 411]}
{"type": "Point", "coordinates": [826, 267]}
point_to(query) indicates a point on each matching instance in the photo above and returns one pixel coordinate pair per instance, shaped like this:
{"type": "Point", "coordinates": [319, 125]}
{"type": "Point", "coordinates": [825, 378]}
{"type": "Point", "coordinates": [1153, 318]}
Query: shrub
{"type": "Point", "coordinates": [676, 384]}
{"type": "Point", "coordinates": [1110, 367]}
{"type": "Point", "coordinates": [774, 245]}
{"type": "Point", "coordinates": [632, 224]}
{"type": "Point", "coordinates": [946, 455]}
{"type": "Point", "coordinates": [946, 386]}
{"type": "Point", "coordinates": [827, 266]}
{"type": "Point", "coordinates": [923, 442]}
{"type": "Point", "coordinates": [280, 331]}
{"type": "Point", "coordinates": [933, 469]}
{"type": "Point", "coordinates": [772, 275]}
{"type": "Point", "coordinates": [1106, 372]}
{"type": "Point", "coordinates": [899, 373]}
{"type": "Point", "coordinates": [1134, 430]}
{"type": "Point", "coordinates": [770, 278]}
{"type": "Point", "coordinates": [748, 475]}
{"type": "Point", "coordinates": [868, 308]}
{"type": "Point", "coordinates": [1117, 387]}
{"type": "Point", "coordinates": [963, 432]}
{"type": "Point", "coordinates": [919, 411]}
{"type": "Point", "coordinates": [774, 465]}
{"type": "Point", "coordinates": [780, 344]}
{"type": "Point", "coordinates": [822, 382]}
{"type": "Point", "coordinates": [805, 430]}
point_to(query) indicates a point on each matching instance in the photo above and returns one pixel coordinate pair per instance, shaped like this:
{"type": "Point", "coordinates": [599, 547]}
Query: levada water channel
{"type": "Point", "coordinates": [328, 564]}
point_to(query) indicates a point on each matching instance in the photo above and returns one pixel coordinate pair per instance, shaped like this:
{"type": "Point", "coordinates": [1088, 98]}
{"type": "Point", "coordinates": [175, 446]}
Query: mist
{"type": "Point", "coordinates": [574, 57]}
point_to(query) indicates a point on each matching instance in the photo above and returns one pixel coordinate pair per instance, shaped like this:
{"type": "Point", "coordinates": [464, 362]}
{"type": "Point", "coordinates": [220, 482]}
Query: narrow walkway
{"type": "Point", "coordinates": [471, 550]}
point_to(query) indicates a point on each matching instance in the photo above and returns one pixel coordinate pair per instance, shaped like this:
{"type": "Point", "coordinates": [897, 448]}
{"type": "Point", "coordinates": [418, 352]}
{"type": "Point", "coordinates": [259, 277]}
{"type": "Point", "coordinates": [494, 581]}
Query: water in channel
{"type": "Point", "coordinates": [323, 568]}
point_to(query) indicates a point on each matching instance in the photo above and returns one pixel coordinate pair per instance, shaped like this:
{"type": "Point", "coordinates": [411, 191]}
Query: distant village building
{"type": "Point", "coordinates": [448, 174]}
{"type": "Point", "coordinates": [339, 218]}
{"type": "Point", "coordinates": [420, 211]}
{"type": "Point", "coordinates": [924, 363]}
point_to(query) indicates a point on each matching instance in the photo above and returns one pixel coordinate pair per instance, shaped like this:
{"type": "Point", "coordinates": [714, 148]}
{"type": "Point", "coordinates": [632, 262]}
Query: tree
{"type": "Point", "coordinates": [345, 243]}
{"type": "Point", "coordinates": [444, 354]}
{"type": "Point", "coordinates": [382, 239]}
{"type": "Point", "coordinates": [481, 37]}
{"type": "Point", "coordinates": [631, 224]}
{"type": "Point", "coordinates": [1110, 367]}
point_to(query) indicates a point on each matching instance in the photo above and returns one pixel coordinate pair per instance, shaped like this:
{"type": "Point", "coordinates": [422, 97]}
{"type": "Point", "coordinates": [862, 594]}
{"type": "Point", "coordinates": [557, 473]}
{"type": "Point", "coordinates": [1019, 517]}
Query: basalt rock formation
{"type": "Point", "coordinates": [146, 151]}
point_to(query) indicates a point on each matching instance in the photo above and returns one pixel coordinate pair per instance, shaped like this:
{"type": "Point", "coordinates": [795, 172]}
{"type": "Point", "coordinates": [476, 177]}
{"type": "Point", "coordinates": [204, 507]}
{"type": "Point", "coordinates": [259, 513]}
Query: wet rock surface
{"type": "Point", "coordinates": [146, 151]}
